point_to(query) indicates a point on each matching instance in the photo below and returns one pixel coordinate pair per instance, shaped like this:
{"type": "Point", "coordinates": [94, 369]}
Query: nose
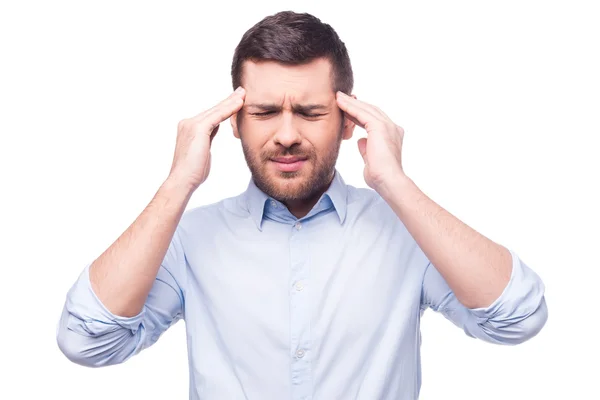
{"type": "Point", "coordinates": [287, 135]}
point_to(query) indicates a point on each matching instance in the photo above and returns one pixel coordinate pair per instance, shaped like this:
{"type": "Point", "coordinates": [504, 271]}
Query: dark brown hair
{"type": "Point", "coordinates": [293, 39]}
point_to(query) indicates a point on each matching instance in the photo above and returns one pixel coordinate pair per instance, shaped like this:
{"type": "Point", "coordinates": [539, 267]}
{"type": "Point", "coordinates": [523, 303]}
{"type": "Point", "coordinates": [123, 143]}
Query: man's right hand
{"type": "Point", "coordinates": [191, 162]}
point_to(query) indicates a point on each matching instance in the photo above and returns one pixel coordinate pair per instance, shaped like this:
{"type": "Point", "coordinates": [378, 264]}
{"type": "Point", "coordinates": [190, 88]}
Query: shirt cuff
{"type": "Point", "coordinates": [520, 298]}
{"type": "Point", "coordinates": [85, 305]}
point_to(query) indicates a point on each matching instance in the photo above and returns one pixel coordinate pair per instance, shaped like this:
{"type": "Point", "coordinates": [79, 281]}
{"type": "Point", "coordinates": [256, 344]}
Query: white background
{"type": "Point", "coordinates": [500, 102]}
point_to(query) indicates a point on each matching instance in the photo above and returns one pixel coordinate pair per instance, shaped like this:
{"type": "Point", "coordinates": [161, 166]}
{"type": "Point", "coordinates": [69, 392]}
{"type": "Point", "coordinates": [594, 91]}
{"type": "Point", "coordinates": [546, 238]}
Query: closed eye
{"type": "Point", "coordinates": [263, 114]}
{"type": "Point", "coordinates": [312, 115]}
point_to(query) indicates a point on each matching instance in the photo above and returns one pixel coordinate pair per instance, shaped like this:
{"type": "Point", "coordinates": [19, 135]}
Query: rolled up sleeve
{"type": "Point", "coordinates": [517, 315]}
{"type": "Point", "coordinates": [89, 334]}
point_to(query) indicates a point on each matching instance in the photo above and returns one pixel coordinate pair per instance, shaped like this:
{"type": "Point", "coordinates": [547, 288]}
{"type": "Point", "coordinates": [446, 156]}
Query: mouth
{"type": "Point", "coordinates": [289, 164]}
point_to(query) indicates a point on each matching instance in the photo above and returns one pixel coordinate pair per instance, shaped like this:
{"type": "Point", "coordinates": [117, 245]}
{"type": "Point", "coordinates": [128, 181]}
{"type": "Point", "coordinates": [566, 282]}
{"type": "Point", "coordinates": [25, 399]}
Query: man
{"type": "Point", "coordinates": [301, 287]}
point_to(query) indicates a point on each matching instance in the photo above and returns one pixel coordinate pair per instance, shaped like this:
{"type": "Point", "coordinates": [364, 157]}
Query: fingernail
{"type": "Point", "coordinates": [239, 89]}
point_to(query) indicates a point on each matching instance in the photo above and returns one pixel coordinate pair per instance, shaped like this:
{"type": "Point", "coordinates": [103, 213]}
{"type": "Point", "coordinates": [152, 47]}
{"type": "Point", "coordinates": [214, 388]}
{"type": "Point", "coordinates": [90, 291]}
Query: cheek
{"type": "Point", "coordinates": [322, 134]}
{"type": "Point", "coordinates": [261, 127]}
{"type": "Point", "coordinates": [254, 134]}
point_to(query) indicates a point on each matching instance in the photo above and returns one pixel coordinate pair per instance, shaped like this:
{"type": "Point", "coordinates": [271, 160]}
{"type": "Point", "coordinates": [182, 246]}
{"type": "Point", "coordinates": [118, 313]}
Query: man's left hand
{"type": "Point", "coordinates": [382, 149]}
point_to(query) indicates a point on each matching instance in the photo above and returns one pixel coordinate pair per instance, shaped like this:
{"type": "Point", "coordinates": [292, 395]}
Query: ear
{"type": "Point", "coordinates": [348, 128]}
{"type": "Point", "coordinates": [234, 125]}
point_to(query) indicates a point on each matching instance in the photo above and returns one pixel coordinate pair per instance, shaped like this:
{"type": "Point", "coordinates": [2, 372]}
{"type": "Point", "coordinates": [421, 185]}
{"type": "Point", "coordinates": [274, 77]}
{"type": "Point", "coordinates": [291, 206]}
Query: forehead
{"type": "Point", "coordinates": [273, 81]}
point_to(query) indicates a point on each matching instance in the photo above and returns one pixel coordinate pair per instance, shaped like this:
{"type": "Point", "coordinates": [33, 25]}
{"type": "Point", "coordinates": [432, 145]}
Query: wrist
{"type": "Point", "coordinates": [177, 188]}
{"type": "Point", "coordinates": [394, 187]}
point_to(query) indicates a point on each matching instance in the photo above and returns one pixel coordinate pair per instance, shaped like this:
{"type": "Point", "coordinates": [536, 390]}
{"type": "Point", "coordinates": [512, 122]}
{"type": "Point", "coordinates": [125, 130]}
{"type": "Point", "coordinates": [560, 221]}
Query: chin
{"type": "Point", "coordinates": [288, 186]}
{"type": "Point", "coordinates": [301, 184]}
{"type": "Point", "coordinates": [285, 186]}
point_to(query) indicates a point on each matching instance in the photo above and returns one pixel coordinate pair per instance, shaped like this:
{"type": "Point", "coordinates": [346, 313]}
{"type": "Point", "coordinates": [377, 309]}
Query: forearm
{"type": "Point", "coordinates": [123, 275]}
{"type": "Point", "coordinates": [475, 268]}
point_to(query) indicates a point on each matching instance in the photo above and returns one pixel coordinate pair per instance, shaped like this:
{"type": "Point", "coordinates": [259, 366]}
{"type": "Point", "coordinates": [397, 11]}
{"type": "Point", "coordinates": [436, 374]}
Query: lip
{"type": "Point", "coordinates": [288, 160]}
{"type": "Point", "coordinates": [288, 164]}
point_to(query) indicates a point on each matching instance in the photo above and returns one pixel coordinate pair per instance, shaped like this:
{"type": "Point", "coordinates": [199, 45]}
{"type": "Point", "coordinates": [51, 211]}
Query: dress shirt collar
{"type": "Point", "coordinates": [262, 206]}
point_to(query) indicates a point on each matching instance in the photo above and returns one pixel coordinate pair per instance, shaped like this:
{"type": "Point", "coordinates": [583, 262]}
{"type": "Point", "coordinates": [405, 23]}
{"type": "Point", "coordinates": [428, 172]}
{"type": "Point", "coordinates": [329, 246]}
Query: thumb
{"type": "Point", "coordinates": [362, 148]}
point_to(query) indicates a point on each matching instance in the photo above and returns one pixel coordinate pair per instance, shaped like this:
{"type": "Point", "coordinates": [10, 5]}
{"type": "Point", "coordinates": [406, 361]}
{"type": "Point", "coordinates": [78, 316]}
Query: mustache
{"type": "Point", "coordinates": [288, 152]}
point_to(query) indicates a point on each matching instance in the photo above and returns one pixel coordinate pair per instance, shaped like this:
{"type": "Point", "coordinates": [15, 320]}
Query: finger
{"type": "Point", "coordinates": [223, 112]}
{"type": "Point", "coordinates": [240, 91]}
{"type": "Point", "coordinates": [234, 98]}
{"type": "Point", "coordinates": [380, 112]}
{"type": "Point", "coordinates": [362, 148]}
{"type": "Point", "coordinates": [214, 132]}
{"type": "Point", "coordinates": [358, 110]}
{"type": "Point", "coordinates": [351, 118]}
{"type": "Point", "coordinates": [373, 109]}
{"type": "Point", "coordinates": [225, 109]}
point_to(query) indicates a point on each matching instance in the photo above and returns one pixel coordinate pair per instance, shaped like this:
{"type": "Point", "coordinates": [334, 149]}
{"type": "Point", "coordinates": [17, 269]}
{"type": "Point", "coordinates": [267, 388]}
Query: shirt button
{"type": "Point", "coordinates": [299, 286]}
{"type": "Point", "coordinates": [300, 353]}
{"type": "Point", "coordinates": [298, 225]}
{"type": "Point", "coordinates": [273, 203]}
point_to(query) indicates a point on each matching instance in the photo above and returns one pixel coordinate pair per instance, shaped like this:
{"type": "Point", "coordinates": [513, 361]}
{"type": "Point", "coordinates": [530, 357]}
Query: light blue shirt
{"type": "Point", "coordinates": [324, 307]}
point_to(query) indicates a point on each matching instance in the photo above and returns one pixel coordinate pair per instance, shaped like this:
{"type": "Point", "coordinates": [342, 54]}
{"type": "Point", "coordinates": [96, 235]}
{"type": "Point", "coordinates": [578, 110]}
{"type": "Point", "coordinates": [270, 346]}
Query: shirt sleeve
{"type": "Point", "coordinates": [89, 334]}
{"type": "Point", "coordinates": [517, 315]}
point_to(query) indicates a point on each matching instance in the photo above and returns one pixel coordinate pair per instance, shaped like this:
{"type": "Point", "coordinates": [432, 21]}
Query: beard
{"type": "Point", "coordinates": [310, 181]}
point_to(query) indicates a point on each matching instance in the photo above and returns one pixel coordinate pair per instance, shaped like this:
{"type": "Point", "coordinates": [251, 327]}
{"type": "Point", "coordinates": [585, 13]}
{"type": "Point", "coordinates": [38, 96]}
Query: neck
{"type": "Point", "coordinates": [300, 208]}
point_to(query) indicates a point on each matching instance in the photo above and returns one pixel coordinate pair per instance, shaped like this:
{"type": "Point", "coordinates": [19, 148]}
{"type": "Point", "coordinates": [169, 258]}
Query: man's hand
{"type": "Point", "coordinates": [382, 150]}
{"type": "Point", "coordinates": [191, 162]}
{"type": "Point", "coordinates": [476, 268]}
{"type": "Point", "coordinates": [124, 274]}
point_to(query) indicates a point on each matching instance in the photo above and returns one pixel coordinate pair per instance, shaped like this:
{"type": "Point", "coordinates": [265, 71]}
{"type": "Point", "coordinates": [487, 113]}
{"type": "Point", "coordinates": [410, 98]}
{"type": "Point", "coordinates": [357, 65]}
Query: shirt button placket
{"type": "Point", "coordinates": [300, 313]}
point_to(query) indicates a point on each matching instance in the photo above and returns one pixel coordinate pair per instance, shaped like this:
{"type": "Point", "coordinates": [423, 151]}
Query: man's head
{"type": "Point", "coordinates": [291, 66]}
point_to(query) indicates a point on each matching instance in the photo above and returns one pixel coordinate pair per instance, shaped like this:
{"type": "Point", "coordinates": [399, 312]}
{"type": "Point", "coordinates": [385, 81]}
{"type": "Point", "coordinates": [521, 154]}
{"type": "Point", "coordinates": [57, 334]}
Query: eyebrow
{"type": "Point", "coordinates": [304, 108]}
